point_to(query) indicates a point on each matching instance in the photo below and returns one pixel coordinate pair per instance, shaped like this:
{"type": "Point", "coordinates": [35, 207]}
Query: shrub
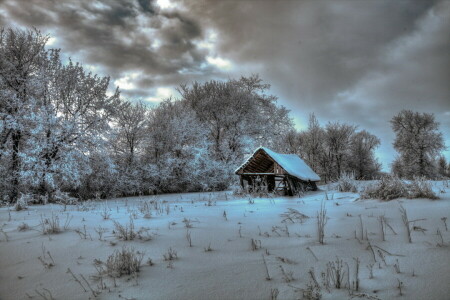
{"type": "Point", "coordinates": [392, 187]}
{"type": "Point", "coordinates": [388, 188]}
{"type": "Point", "coordinates": [64, 198]}
{"type": "Point", "coordinates": [238, 191]}
{"type": "Point", "coordinates": [22, 202]}
{"type": "Point", "coordinates": [124, 262]}
{"type": "Point", "coordinates": [421, 188]}
{"type": "Point", "coordinates": [347, 183]}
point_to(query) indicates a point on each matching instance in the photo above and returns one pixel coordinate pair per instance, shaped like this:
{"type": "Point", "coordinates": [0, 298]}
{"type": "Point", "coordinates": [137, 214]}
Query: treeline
{"type": "Point", "coordinates": [336, 149]}
{"type": "Point", "coordinates": [61, 130]}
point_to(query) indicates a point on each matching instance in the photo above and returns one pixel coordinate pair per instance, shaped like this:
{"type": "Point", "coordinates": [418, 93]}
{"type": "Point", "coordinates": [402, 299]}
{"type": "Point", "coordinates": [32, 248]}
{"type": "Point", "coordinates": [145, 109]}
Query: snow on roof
{"type": "Point", "coordinates": [291, 163]}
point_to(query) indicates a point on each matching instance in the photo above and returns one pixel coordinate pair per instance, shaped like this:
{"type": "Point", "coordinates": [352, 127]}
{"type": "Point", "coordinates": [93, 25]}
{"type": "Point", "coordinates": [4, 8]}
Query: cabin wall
{"type": "Point", "coordinates": [278, 170]}
{"type": "Point", "coordinates": [285, 184]}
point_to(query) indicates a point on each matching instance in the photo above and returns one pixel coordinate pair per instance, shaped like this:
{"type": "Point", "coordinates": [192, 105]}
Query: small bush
{"type": "Point", "coordinates": [392, 187]}
{"type": "Point", "coordinates": [22, 202]}
{"type": "Point", "coordinates": [124, 262]}
{"type": "Point", "coordinates": [347, 183]}
{"type": "Point", "coordinates": [388, 188]}
{"type": "Point", "coordinates": [86, 205]}
{"type": "Point", "coordinates": [64, 198]}
{"type": "Point", "coordinates": [421, 188]}
{"type": "Point", "coordinates": [238, 191]}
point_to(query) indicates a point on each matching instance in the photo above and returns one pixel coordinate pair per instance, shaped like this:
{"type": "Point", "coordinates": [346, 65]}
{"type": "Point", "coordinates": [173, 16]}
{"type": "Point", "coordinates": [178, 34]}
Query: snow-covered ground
{"type": "Point", "coordinates": [32, 263]}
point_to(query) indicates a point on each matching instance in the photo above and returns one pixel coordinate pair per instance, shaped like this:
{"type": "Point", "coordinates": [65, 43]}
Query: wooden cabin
{"type": "Point", "coordinates": [269, 171]}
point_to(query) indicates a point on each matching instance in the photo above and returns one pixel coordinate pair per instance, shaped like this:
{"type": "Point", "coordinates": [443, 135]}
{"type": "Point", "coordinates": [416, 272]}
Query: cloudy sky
{"type": "Point", "coordinates": [355, 61]}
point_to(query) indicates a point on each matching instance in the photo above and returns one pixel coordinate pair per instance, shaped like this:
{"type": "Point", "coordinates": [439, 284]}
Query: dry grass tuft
{"type": "Point", "coordinates": [23, 227]}
{"type": "Point", "coordinates": [124, 262]}
{"type": "Point", "coordinates": [50, 225]}
{"type": "Point", "coordinates": [125, 232]}
{"type": "Point", "coordinates": [170, 255]}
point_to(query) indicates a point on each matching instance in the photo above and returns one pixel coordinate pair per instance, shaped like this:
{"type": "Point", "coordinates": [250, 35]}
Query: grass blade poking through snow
{"type": "Point", "coordinates": [321, 222]}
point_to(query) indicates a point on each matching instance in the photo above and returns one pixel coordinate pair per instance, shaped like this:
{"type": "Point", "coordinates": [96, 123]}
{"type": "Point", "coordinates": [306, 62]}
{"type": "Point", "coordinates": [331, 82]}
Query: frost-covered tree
{"type": "Point", "coordinates": [443, 166]}
{"type": "Point", "coordinates": [178, 148]}
{"type": "Point", "coordinates": [103, 179]}
{"type": "Point", "coordinates": [128, 141]}
{"type": "Point", "coordinates": [335, 149]}
{"type": "Point", "coordinates": [337, 141]}
{"type": "Point", "coordinates": [238, 115]}
{"type": "Point", "coordinates": [72, 121]}
{"type": "Point", "coordinates": [418, 142]}
{"type": "Point", "coordinates": [310, 145]}
{"type": "Point", "coordinates": [313, 142]}
{"type": "Point", "coordinates": [362, 159]}
{"type": "Point", "coordinates": [130, 123]}
{"type": "Point", "coordinates": [291, 142]}
{"type": "Point", "coordinates": [22, 59]}
{"type": "Point", "coordinates": [52, 115]}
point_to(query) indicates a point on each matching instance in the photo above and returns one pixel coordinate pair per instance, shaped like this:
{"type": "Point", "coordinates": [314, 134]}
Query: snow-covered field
{"type": "Point", "coordinates": [34, 263]}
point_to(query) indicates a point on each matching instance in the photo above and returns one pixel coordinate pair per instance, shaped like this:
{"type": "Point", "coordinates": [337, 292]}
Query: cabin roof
{"type": "Point", "coordinates": [291, 163]}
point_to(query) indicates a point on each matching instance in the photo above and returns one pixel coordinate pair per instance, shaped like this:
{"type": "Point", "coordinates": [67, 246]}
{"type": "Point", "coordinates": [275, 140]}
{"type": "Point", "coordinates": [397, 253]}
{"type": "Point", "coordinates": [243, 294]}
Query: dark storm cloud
{"type": "Point", "coordinates": [320, 48]}
{"type": "Point", "coordinates": [118, 36]}
{"type": "Point", "coordinates": [148, 6]}
{"type": "Point", "coordinates": [355, 61]}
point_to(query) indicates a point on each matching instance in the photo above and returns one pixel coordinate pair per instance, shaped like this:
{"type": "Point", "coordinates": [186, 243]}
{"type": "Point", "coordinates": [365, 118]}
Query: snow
{"type": "Point", "coordinates": [232, 270]}
{"type": "Point", "coordinates": [291, 163]}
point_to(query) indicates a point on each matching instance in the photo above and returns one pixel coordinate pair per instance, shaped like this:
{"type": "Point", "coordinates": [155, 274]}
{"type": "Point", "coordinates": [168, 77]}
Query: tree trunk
{"type": "Point", "coordinates": [16, 137]}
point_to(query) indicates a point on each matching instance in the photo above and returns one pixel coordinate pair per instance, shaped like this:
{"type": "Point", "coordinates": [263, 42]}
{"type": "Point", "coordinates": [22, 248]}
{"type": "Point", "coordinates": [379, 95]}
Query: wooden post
{"type": "Point", "coordinates": [290, 186]}
{"type": "Point", "coordinates": [271, 183]}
